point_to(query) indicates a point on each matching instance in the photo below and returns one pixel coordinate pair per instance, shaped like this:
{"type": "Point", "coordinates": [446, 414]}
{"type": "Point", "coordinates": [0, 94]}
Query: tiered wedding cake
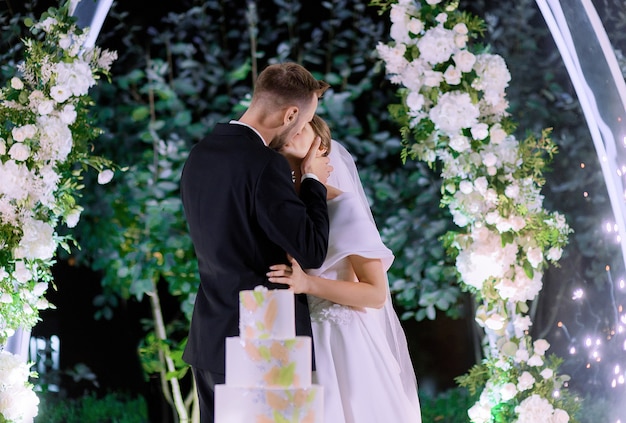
{"type": "Point", "coordinates": [268, 367]}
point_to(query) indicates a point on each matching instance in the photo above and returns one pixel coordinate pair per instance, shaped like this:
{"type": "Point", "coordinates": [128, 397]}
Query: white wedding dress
{"type": "Point", "coordinates": [361, 355]}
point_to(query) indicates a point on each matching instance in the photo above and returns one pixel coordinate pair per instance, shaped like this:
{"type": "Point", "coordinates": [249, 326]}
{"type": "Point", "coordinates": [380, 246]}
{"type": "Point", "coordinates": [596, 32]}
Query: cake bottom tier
{"type": "Point", "coordinates": [259, 405]}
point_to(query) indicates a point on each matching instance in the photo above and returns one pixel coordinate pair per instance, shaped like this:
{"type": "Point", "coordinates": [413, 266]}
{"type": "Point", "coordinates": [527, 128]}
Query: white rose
{"type": "Point", "coordinates": [547, 373]}
{"type": "Point", "coordinates": [21, 133]}
{"type": "Point", "coordinates": [71, 220]}
{"type": "Point", "coordinates": [480, 131]}
{"type": "Point", "coordinates": [497, 134]}
{"type": "Point", "coordinates": [535, 361]}
{"type": "Point", "coordinates": [525, 382]}
{"type": "Point", "coordinates": [68, 114]}
{"type": "Point", "coordinates": [65, 42]}
{"type": "Point", "coordinates": [6, 298]}
{"type": "Point", "coordinates": [460, 28]}
{"type": "Point", "coordinates": [479, 413]}
{"type": "Point", "coordinates": [45, 107]}
{"type": "Point", "coordinates": [466, 187]}
{"type": "Point", "coordinates": [541, 346]}
{"type": "Point", "coordinates": [22, 274]}
{"type": "Point", "coordinates": [16, 83]}
{"type": "Point", "coordinates": [40, 289]}
{"type": "Point", "coordinates": [105, 176]}
{"type": "Point", "coordinates": [534, 256]}
{"type": "Point", "coordinates": [452, 76]}
{"type": "Point", "coordinates": [60, 93]}
{"type": "Point", "coordinates": [464, 60]}
{"type": "Point", "coordinates": [495, 322]}
{"type": "Point", "coordinates": [415, 26]}
{"type": "Point", "coordinates": [560, 416]}
{"type": "Point", "coordinates": [415, 101]}
{"type": "Point", "coordinates": [508, 391]}
{"type": "Point", "coordinates": [19, 152]}
{"type": "Point", "coordinates": [554, 254]}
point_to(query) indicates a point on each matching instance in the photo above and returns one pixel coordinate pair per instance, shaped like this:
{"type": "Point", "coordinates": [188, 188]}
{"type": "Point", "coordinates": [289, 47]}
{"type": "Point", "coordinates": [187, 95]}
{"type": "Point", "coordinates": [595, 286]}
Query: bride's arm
{"type": "Point", "coordinates": [370, 291]}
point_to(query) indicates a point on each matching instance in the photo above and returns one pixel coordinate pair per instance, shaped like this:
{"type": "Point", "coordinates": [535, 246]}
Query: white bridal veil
{"type": "Point", "coordinates": [345, 176]}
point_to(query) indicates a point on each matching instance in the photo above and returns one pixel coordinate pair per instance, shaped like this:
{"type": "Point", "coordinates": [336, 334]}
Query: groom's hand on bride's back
{"type": "Point", "coordinates": [314, 162]}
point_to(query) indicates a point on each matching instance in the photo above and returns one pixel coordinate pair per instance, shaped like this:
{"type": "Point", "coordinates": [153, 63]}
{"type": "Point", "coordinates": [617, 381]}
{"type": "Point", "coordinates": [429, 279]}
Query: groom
{"type": "Point", "coordinates": [244, 214]}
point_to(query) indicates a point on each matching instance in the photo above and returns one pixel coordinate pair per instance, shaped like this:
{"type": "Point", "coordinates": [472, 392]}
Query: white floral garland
{"type": "Point", "coordinates": [454, 117]}
{"type": "Point", "coordinates": [44, 135]}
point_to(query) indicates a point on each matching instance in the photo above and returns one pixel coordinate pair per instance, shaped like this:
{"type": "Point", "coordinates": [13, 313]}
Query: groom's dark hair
{"type": "Point", "coordinates": [288, 83]}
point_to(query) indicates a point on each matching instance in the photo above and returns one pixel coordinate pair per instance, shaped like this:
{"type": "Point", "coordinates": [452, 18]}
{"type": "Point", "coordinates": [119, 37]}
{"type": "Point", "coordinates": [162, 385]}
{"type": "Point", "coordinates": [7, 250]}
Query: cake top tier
{"type": "Point", "coordinates": [266, 313]}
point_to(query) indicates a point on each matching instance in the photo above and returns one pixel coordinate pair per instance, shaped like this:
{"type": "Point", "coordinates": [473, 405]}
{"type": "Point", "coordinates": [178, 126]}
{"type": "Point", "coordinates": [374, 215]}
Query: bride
{"type": "Point", "coordinates": [361, 355]}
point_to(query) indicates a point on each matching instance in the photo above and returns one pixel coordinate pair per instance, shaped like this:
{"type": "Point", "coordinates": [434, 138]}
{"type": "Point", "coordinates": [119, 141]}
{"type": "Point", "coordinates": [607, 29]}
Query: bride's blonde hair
{"type": "Point", "coordinates": [321, 129]}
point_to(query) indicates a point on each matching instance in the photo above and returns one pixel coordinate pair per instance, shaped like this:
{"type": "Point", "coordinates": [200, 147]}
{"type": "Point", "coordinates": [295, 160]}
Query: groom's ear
{"type": "Point", "coordinates": [290, 116]}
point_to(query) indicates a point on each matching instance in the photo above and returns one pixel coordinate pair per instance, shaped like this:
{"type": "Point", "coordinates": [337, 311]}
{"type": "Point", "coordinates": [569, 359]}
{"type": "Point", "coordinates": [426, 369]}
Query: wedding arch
{"type": "Point", "coordinates": [453, 116]}
{"type": "Point", "coordinates": [606, 132]}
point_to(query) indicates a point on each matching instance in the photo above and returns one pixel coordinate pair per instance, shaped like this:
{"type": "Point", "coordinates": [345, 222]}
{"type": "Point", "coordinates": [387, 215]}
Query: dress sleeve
{"type": "Point", "coordinates": [353, 233]}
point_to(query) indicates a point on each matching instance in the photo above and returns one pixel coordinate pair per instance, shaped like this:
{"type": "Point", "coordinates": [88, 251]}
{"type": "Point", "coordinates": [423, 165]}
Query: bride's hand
{"type": "Point", "coordinates": [291, 275]}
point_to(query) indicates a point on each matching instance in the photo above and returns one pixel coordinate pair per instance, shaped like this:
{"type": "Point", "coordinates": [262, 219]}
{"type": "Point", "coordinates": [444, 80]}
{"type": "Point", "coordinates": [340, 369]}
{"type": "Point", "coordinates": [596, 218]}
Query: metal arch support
{"type": "Point", "coordinates": [594, 71]}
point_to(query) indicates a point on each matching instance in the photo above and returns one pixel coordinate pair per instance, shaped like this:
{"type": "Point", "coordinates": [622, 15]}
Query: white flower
{"type": "Point", "coordinates": [540, 346]}
{"type": "Point", "coordinates": [452, 75]}
{"type": "Point", "coordinates": [521, 355]}
{"type": "Point", "coordinates": [525, 382]}
{"type": "Point", "coordinates": [432, 78]}
{"type": "Point", "coordinates": [433, 2]}
{"type": "Point", "coordinates": [479, 413]}
{"type": "Point", "coordinates": [105, 176]}
{"type": "Point", "coordinates": [415, 26]}
{"type": "Point", "coordinates": [534, 256]}
{"type": "Point", "coordinates": [37, 240]}
{"type": "Point", "coordinates": [40, 289]}
{"type": "Point", "coordinates": [60, 93]}
{"type": "Point", "coordinates": [495, 322]}
{"type": "Point", "coordinates": [22, 274]}
{"type": "Point", "coordinates": [436, 45]}
{"type": "Point", "coordinates": [55, 139]}
{"type": "Point", "coordinates": [460, 143]}
{"type": "Point", "coordinates": [76, 75]}
{"type": "Point", "coordinates": [480, 131]}
{"type": "Point", "coordinates": [560, 416]}
{"type": "Point", "coordinates": [415, 101]}
{"type": "Point", "coordinates": [45, 107]}
{"type": "Point", "coordinates": [497, 134]}
{"type": "Point", "coordinates": [464, 60]}
{"type": "Point", "coordinates": [68, 114]}
{"type": "Point", "coordinates": [460, 28]}
{"type": "Point", "coordinates": [22, 133]}
{"type": "Point", "coordinates": [71, 220]}
{"type": "Point", "coordinates": [16, 83]}
{"type": "Point", "coordinates": [453, 112]}
{"type": "Point", "coordinates": [547, 373]}
{"type": "Point", "coordinates": [65, 41]}
{"type": "Point", "coordinates": [19, 152]}
{"type": "Point", "coordinates": [6, 298]}
{"type": "Point", "coordinates": [535, 361]}
{"type": "Point", "coordinates": [554, 254]}
{"type": "Point", "coordinates": [534, 409]}
{"type": "Point", "coordinates": [508, 391]}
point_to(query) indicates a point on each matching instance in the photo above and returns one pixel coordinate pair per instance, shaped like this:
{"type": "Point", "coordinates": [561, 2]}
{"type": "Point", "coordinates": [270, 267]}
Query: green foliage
{"type": "Point", "coordinates": [111, 408]}
{"type": "Point", "coordinates": [447, 407]}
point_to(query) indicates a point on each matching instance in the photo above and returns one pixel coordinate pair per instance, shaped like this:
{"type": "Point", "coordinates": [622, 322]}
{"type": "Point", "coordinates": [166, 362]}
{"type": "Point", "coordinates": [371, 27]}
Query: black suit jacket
{"type": "Point", "coordinates": [243, 215]}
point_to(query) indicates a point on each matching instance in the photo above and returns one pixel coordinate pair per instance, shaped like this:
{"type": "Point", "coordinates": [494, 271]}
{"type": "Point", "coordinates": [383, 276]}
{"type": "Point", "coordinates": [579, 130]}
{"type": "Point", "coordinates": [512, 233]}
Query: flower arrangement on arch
{"type": "Point", "coordinates": [453, 115]}
{"type": "Point", "coordinates": [45, 134]}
